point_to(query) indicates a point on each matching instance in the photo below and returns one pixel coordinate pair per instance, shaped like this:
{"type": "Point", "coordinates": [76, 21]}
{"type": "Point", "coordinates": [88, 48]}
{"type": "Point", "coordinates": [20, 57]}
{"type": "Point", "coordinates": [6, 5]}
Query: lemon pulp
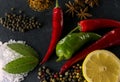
{"type": "Point", "coordinates": [101, 66]}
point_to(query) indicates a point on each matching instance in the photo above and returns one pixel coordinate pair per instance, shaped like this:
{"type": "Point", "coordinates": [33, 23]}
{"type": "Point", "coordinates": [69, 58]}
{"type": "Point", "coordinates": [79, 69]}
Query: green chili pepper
{"type": "Point", "coordinates": [67, 46]}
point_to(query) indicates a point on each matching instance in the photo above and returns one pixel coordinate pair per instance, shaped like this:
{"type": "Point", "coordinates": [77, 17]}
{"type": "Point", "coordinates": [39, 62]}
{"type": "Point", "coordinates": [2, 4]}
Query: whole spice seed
{"type": "Point", "coordinates": [68, 76]}
{"type": "Point", "coordinates": [19, 22]}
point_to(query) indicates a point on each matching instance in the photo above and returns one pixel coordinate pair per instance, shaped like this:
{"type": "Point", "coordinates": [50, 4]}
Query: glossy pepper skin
{"type": "Point", "coordinates": [67, 46]}
{"type": "Point", "coordinates": [96, 24]}
{"type": "Point", "coordinates": [112, 38]}
{"type": "Point", "coordinates": [57, 25]}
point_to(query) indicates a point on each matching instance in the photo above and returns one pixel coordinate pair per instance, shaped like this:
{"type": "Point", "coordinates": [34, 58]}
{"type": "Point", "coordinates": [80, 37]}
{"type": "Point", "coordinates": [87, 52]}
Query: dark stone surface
{"type": "Point", "coordinates": [39, 38]}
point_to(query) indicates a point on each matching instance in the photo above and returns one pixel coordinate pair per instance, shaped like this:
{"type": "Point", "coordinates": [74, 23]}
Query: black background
{"type": "Point", "coordinates": [39, 38]}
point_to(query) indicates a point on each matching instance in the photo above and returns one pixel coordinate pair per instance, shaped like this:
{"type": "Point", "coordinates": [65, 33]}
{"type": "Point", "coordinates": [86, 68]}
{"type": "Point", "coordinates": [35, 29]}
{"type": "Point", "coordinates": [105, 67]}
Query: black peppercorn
{"type": "Point", "coordinates": [19, 22]}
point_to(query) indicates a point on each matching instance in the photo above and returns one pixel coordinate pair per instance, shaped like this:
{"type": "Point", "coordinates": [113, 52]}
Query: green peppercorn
{"type": "Point", "coordinates": [21, 30]}
{"type": "Point", "coordinates": [12, 9]}
{"type": "Point", "coordinates": [39, 73]}
{"type": "Point", "coordinates": [69, 79]}
{"type": "Point", "coordinates": [60, 75]}
{"type": "Point", "coordinates": [1, 20]}
{"type": "Point", "coordinates": [78, 65]}
{"type": "Point", "coordinates": [38, 77]}
{"type": "Point", "coordinates": [78, 74]}
{"type": "Point", "coordinates": [20, 11]}
{"type": "Point", "coordinates": [13, 29]}
{"type": "Point", "coordinates": [66, 73]}
{"type": "Point", "coordinates": [43, 67]}
{"type": "Point", "coordinates": [37, 26]}
{"type": "Point", "coordinates": [32, 18]}
{"type": "Point", "coordinates": [52, 80]}
{"type": "Point", "coordinates": [4, 25]}
{"type": "Point", "coordinates": [6, 14]}
{"type": "Point", "coordinates": [61, 79]}
{"type": "Point", "coordinates": [7, 27]}
{"type": "Point", "coordinates": [47, 71]}
{"type": "Point", "coordinates": [14, 15]}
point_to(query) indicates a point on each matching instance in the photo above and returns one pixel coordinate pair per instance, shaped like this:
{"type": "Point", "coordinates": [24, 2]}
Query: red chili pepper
{"type": "Point", "coordinates": [95, 24]}
{"type": "Point", "coordinates": [112, 38]}
{"type": "Point", "coordinates": [57, 25]}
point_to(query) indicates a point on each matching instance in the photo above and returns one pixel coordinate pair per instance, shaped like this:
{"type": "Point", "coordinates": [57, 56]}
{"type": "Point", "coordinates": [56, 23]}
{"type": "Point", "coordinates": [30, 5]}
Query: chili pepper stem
{"type": "Point", "coordinates": [60, 58]}
{"type": "Point", "coordinates": [76, 28]}
{"type": "Point", "coordinates": [57, 5]}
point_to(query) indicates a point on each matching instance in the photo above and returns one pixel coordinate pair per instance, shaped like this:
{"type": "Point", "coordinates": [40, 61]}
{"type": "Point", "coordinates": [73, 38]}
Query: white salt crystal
{"type": "Point", "coordinates": [7, 55]}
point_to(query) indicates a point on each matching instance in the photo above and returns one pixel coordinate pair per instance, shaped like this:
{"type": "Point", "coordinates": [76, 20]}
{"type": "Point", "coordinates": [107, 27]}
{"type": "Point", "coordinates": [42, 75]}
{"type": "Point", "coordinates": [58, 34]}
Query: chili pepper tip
{"type": "Point", "coordinates": [62, 70]}
{"type": "Point", "coordinates": [42, 62]}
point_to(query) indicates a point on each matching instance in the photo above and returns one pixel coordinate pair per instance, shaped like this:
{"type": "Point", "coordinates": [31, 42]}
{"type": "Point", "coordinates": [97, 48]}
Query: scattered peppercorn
{"type": "Point", "coordinates": [19, 22]}
{"type": "Point", "coordinates": [12, 9]}
{"type": "Point", "coordinates": [74, 74]}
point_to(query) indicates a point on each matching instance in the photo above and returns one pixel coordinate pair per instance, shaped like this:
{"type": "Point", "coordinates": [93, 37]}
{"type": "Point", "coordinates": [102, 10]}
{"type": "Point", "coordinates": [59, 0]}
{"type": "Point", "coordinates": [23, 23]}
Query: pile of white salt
{"type": "Point", "coordinates": [7, 55]}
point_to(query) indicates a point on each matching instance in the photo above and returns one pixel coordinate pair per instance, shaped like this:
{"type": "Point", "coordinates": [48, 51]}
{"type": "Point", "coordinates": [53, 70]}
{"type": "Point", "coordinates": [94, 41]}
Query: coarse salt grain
{"type": "Point", "coordinates": [7, 55]}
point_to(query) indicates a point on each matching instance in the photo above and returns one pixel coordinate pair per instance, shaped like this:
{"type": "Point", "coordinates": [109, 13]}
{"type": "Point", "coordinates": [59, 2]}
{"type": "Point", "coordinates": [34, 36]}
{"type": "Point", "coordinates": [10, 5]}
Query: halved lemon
{"type": "Point", "coordinates": [101, 66]}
